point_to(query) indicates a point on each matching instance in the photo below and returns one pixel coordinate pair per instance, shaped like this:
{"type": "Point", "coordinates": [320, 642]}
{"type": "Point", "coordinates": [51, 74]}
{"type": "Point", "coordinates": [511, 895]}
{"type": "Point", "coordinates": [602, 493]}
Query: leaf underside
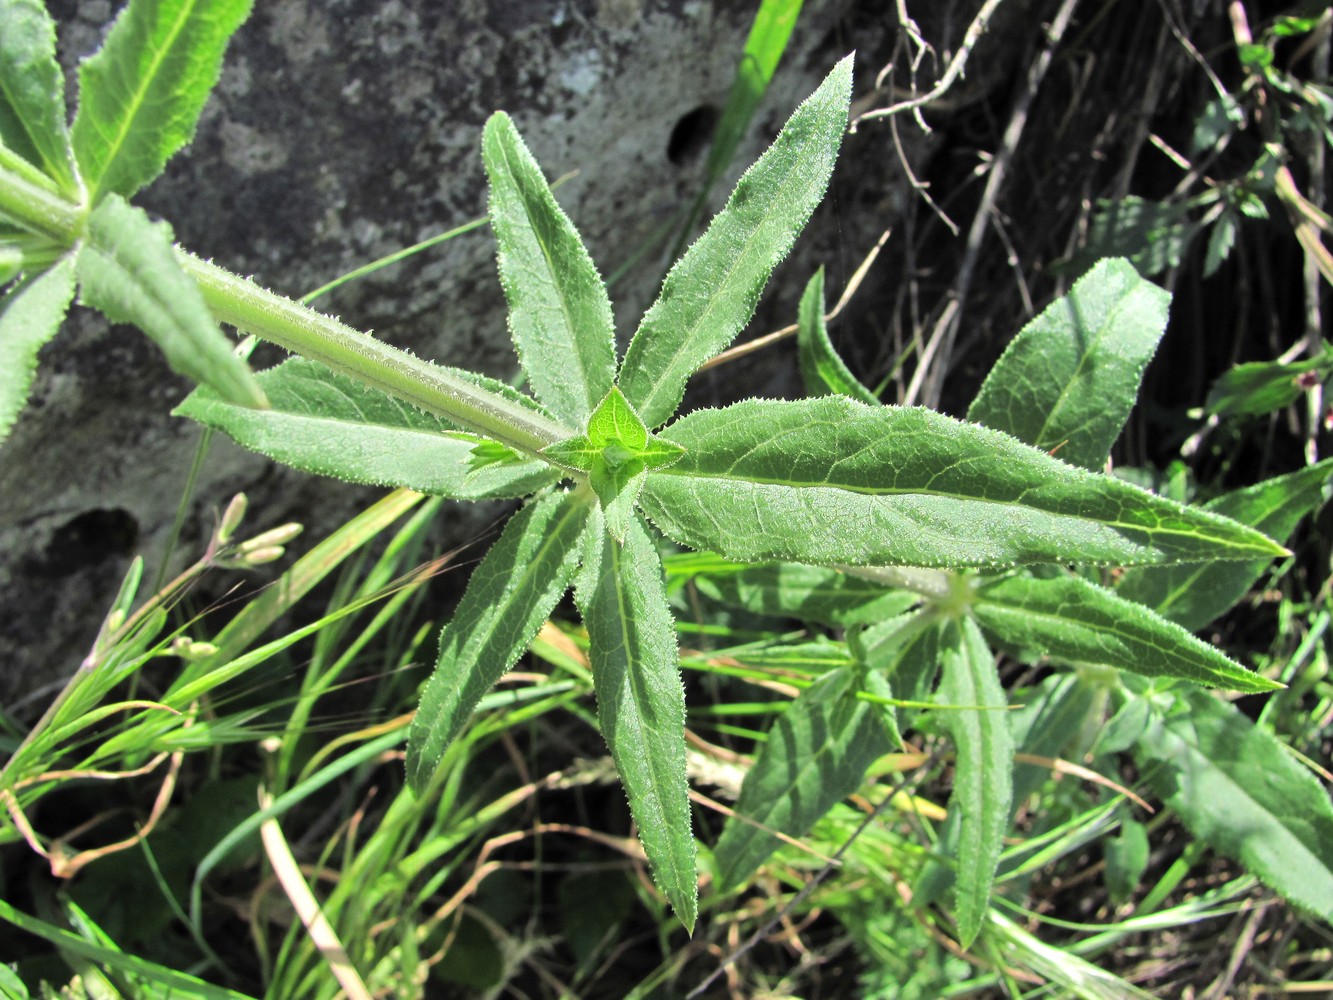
{"type": "Point", "coordinates": [329, 424]}
{"type": "Point", "coordinates": [1237, 787]}
{"type": "Point", "coordinates": [30, 315]}
{"type": "Point", "coordinates": [127, 270]}
{"type": "Point", "coordinates": [821, 368]}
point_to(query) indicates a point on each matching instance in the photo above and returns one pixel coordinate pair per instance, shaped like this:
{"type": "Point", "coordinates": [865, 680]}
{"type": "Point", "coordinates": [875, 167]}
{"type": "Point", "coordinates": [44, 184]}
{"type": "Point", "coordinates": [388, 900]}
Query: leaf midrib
{"type": "Point", "coordinates": [139, 96]}
{"type": "Point", "coordinates": [1236, 672]}
{"type": "Point", "coordinates": [570, 326]}
{"type": "Point", "coordinates": [632, 654]}
{"type": "Point", "coordinates": [682, 343]}
{"type": "Point", "coordinates": [1238, 789]}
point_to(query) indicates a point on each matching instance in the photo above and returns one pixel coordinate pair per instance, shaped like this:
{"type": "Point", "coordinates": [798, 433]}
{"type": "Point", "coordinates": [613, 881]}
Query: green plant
{"type": "Point", "coordinates": [943, 510]}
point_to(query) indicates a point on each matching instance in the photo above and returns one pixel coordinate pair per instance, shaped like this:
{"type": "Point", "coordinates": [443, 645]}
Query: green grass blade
{"type": "Point", "coordinates": [30, 315]}
{"type": "Point", "coordinates": [330, 424]}
{"type": "Point", "coordinates": [821, 368]}
{"type": "Point", "coordinates": [179, 984]}
{"type": "Point", "coordinates": [641, 702]}
{"type": "Point", "coordinates": [32, 92]}
{"type": "Point", "coordinates": [1237, 787]}
{"type": "Point", "coordinates": [1067, 382]}
{"type": "Point", "coordinates": [128, 271]}
{"type": "Point", "coordinates": [983, 767]}
{"type": "Point", "coordinates": [1195, 594]}
{"type": "Point", "coordinates": [833, 481]}
{"type": "Point", "coordinates": [141, 94]}
{"type": "Point", "coordinates": [1077, 622]}
{"type": "Point", "coordinates": [815, 756]}
{"type": "Point", "coordinates": [559, 314]}
{"type": "Point", "coordinates": [510, 594]}
{"type": "Point", "coordinates": [767, 41]}
{"type": "Point", "coordinates": [711, 292]}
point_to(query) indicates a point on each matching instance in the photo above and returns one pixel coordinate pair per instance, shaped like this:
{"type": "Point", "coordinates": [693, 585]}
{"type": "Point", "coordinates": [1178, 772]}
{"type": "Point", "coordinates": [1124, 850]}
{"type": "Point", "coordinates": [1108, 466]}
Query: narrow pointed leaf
{"type": "Point", "coordinates": [323, 422]}
{"type": "Point", "coordinates": [617, 488]}
{"type": "Point", "coordinates": [1264, 386]}
{"type": "Point", "coordinates": [510, 594]}
{"type": "Point", "coordinates": [140, 96]}
{"type": "Point", "coordinates": [30, 315]}
{"type": "Point", "coordinates": [1237, 787]}
{"type": "Point", "coordinates": [641, 704]}
{"type": "Point", "coordinates": [711, 292]}
{"type": "Point", "coordinates": [822, 369]}
{"type": "Point", "coordinates": [833, 481]}
{"type": "Point", "coordinates": [810, 593]}
{"type": "Point", "coordinates": [32, 91]}
{"type": "Point", "coordinates": [1077, 622]}
{"type": "Point", "coordinates": [128, 271]}
{"type": "Point", "coordinates": [1196, 593]}
{"type": "Point", "coordinates": [983, 769]}
{"type": "Point", "coordinates": [559, 314]}
{"type": "Point", "coordinates": [815, 756]}
{"type": "Point", "coordinates": [1067, 382]}
{"type": "Point", "coordinates": [769, 32]}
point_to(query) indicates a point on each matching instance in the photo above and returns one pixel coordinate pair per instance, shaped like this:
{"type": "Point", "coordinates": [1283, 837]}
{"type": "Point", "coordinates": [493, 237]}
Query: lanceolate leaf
{"type": "Point", "coordinates": [140, 96]}
{"type": "Point", "coordinates": [128, 270]}
{"type": "Point", "coordinates": [510, 594]}
{"type": "Point", "coordinates": [1264, 386]}
{"type": "Point", "coordinates": [32, 91]}
{"type": "Point", "coordinates": [833, 481]}
{"type": "Point", "coordinates": [769, 32]}
{"type": "Point", "coordinates": [617, 488]}
{"type": "Point", "coordinates": [1238, 788]}
{"type": "Point", "coordinates": [559, 314]}
{"type": "Point", "coordinates": [815, 756]}
{"type": "Point", "coordinates": [1077, 622]}
{"type": "Point", "coordinates": [1067, 382]}
{"type": "Point", "coordinates": [641, 703]}
{"type": "Point", "coordinates": [1196, 593]}
{"type": "Point", "coordinates": [984, 760]}
{"type": "Point", "coordinates": [329, 424]}
{"type": "Point", "coordinates": [821, 368]}
{"type": "Point", "coordinates": [711, 292]}
{"type": "Point", "coordinates": [30, 315]}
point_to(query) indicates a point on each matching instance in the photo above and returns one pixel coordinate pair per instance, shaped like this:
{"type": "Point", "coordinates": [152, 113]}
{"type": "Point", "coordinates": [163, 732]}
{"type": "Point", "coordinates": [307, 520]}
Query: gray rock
{"type": "Point", "coordinates": [343, 130]}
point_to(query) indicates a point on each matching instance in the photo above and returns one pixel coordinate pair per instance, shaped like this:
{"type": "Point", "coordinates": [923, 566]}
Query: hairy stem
{"type": "Point", "coordinates": [304, 331]}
